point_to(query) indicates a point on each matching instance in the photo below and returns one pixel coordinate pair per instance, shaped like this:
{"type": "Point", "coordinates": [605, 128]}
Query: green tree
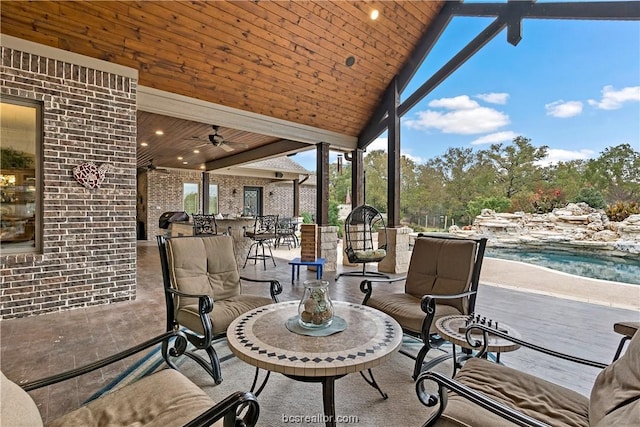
{"type": "Point", "coordinates": [616, 173]}
{"type": "Point", "coordinates": [590, 196]}
{"type": "Point", "coordinates": [516, 165]}
{"type": "Point", "coordinates": [375, 167]}
{"type": "Point", "coordinates": [497, 204]}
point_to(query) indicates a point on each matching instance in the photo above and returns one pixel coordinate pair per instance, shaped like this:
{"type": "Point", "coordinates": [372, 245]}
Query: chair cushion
{"type": "Point", "coordinates": [370, 255]}
{"type": "Point", "coordinates": [166, 398]}
{"type": "Point", "coordinates": [223, 313]}
{"type": "Point", "coordinates": [17, 408]}
{"type": "Point", "coordinates": [615, 396]}
{"type": "Point", "coordinates": [204, 265]}
{"type": "Point", "coordinates": [441, 267]}
{"type": "Point", "coordinates": [405, 309]}
{"type": "Point", "coordinates": [538, 398]}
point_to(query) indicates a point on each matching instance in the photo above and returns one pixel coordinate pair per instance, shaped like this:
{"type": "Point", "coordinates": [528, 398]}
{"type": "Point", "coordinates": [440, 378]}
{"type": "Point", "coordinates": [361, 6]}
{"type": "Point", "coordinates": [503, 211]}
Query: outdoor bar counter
{"type": "Point", "coordinates": [233, 225]}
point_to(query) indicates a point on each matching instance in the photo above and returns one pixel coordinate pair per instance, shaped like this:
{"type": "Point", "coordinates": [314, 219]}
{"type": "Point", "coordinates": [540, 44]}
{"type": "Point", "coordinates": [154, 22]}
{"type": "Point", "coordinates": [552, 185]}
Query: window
{"type": "Point", "coordinates": [20, 176]}
{"type": "Point", "coordinates": [190, 198]}
{"type": "Point", "coordinates": [213, 198]}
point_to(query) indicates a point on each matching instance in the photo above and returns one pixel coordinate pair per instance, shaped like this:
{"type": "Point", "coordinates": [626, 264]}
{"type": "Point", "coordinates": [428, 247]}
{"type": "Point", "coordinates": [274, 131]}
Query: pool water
{"type": "Point", "coordinates": [626, 270]}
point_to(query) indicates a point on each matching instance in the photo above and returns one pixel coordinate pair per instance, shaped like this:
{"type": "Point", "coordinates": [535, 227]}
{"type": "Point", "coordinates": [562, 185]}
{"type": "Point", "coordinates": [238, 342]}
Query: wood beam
{"type": "Point", "coordinates": [322, 185]}
{"type": "Point", "coordinates": [377, 122]}
{"type": "Point", "coordinates": [454, 63]}
{"type": "Point", "coordinates": [393, 159]}
{"type": "Point", "coordinates": [259, 153]}
{"type": "Point", "coordinates": [600, 10]}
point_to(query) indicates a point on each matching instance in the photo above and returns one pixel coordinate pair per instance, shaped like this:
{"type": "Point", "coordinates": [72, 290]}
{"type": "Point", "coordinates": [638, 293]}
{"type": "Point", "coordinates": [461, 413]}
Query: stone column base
{"type": "Point", "coordinates": [398, 254]}
{"type": "Point", "coordinates": [328, 246]}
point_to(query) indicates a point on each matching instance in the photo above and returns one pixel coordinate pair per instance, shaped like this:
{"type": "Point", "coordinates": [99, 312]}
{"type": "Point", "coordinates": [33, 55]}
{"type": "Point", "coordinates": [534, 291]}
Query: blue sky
{"type": "Point", "coordinates": [571, 85]}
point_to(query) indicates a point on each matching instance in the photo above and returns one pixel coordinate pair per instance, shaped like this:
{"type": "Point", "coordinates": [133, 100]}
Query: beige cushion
{"type": "Point", "coordinates": [17, 408]}
{"type": "Point", "coordinates": [370, 255]}
{"type": "Point", "coordinates": [441, 267]}
{"type": "Point", "coordinates": [615, 396]}
{"type": "Point", "coordinates": [223, 313]}
{"type": "Point", "coordinates": [166, 398]}
{"type": "Point", "coordinates": [540, 399]}
{"type": "Point", "coordinates": [405, 309]}
{"type": "Point", "coordinates": [204, 265]}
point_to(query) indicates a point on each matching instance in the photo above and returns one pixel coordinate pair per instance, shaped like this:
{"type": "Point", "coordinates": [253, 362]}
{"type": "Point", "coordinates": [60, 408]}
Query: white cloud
{"type": "Point", "coordinates": [495, 138]}
{"type": "Point", "coordinates": [563, 109]}
{"type": "Point", "coordinates": [466, 117]}
{"type": "Point", "coordinates": [462, 102]}
{"type": "Point", "coordinates": [377, 144]}
{"type": "Point", "coordinates": [613, 99]}
{"type": "Point", "coordinates": [494, 98]}
{"type": "Point", "coordinates": [555, 155]}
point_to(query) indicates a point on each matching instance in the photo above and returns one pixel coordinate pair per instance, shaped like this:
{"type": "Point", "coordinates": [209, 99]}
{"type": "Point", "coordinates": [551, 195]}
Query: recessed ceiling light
{"type": "Point", "coordinates": [350, 61]}
{"type": "Point", "coordinates": [203, 167]}
{"type": "Point", "coordinates": [180, 158]}
{"type": "Point", "coordinates": [185, 163]}
{"type": "Point", "coordinates": [196, 151]}
{"type": "Point", "coordinates": [159, 132]}
{"type": "Point", "coordinates": [143, 144]}
{"type": "Point", "coordinates": [374, 14]}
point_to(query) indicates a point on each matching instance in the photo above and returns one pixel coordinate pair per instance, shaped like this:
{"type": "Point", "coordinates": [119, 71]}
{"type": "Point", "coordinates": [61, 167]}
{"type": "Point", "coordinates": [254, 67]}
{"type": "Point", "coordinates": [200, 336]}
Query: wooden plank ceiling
{"type": "Point", "coordinates": [281, 59]}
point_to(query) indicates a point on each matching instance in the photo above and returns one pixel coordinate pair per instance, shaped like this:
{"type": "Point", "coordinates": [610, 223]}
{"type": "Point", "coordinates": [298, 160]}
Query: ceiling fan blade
{"type": "Point", "coordinates": [226, 147]}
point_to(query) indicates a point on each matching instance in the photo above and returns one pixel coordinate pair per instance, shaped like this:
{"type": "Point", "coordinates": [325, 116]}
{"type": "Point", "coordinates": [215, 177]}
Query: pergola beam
{"type": "Point", "coordinates": [601, 10]}
{"type": "Point", "coordinates": [259, 153]}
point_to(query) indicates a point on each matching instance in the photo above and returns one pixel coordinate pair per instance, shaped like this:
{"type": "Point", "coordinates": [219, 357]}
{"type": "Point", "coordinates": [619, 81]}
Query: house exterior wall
{"type": "Point", "coordinates": [89, 236]}
{"type": "Point", "coordinates": [163, 192]}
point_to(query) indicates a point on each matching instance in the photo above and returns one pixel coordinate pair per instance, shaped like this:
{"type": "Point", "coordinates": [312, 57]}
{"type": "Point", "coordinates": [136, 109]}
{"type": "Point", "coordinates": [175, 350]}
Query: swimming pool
{"type": "Point", "coordinates": [626, 270]}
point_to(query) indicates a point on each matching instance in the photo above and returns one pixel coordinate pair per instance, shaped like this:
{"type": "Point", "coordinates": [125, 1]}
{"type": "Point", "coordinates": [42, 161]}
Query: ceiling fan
{"type": "Point", "coordinates": [151, 167]}
{"type": "Point", "coordinates": [214, 139]}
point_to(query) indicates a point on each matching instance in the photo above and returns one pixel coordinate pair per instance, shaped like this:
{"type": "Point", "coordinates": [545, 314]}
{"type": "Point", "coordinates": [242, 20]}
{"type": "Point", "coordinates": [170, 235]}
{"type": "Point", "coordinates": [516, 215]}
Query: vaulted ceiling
{"type": "Point", "coordinates": [318, 64]}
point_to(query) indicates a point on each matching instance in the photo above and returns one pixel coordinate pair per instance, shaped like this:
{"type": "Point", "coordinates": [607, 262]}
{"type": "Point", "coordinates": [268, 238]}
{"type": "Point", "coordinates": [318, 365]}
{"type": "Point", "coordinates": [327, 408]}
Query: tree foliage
{"type": "Point", "coordinates": [504, 177]}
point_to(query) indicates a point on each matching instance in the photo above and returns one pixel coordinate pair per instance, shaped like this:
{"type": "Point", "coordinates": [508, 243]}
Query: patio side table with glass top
{"type": "Point", "coordinates": [261, 338]}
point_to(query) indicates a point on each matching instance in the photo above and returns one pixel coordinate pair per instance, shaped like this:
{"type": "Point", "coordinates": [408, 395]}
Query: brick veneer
{"type": "Point", "coordinates": [161, 192]}
{"type": "Point", "coordinates": [89, 236]}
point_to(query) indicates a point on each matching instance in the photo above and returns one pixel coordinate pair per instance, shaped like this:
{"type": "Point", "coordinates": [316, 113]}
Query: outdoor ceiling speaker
{"type": "Point", "coordinates": [279, 174]}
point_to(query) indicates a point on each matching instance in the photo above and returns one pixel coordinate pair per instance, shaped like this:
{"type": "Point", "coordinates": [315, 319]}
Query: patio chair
{"type": "Point", "coordinates": [484, 393]}
{"type": "Point", "coordinates": [286, 233]}
{"type": "Point", "coordinates": [359, 228]}
{"type": "Point", "coordinates": [165, 398]}
{"type": "Point", "coordinates": [203, 293]}
{"type": "Point", "coordinates": [204, 224]}
{"type": "Point", "coordinates": [442, 280]}
{"type": "Point", "coordinates": [263, 233]}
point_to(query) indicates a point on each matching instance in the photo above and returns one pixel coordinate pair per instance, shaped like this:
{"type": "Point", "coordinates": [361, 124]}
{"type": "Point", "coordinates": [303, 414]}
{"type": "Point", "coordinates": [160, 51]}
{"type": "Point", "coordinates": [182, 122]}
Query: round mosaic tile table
{"type": "Point", "coordinates": [260, 337]}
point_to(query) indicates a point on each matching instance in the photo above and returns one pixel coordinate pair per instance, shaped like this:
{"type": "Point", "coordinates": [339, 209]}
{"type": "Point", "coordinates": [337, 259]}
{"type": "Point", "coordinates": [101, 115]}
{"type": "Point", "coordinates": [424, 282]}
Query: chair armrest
{"type": "Point", "coordinates": [275, 288]}
{"type": "Point", "coordinates": [428, 302]}
{"type": "Point", "coordinates": [228, 409]}
{"type": "Point", "coordinates": [488, 330]}
{"type": "Point", "coordinates": [468, 393]}
{"type": "Point", "coordinates": [366, 286]}
{"type": "Point", "coordinates": [43, 382]}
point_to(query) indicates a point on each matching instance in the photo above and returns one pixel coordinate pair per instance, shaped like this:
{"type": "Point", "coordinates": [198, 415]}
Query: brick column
{"type": "Point", "coordinates": [328, 246]}
{"type": "Point", "coordinates": [398, 254]}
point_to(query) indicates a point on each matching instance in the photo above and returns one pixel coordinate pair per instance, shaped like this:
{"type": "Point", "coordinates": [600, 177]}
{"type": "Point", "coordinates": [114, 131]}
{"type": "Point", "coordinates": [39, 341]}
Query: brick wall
{"type": "Point", "coordinates": [163, 193]}
{"type": "Point", "coordinates": [89, 236]}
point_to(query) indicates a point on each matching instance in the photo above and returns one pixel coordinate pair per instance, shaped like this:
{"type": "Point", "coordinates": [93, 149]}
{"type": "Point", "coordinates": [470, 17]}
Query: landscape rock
{"type": "Point", "coordinates": [576, 226]}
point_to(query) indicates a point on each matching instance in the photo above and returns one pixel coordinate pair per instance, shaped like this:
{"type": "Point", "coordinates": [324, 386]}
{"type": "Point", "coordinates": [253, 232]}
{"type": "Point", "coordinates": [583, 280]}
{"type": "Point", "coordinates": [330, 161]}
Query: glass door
{"type": "Point", "coordinates": [252, 201]}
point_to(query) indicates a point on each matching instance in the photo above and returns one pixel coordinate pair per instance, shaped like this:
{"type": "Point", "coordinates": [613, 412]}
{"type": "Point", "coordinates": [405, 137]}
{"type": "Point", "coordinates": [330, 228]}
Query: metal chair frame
{"type": "Point", "coordinates": [359, 227]}
{"type": "Point", "coordinates": [428, 303]}
{"type": "Point", "coordinates": [205, 306]}
{"type": "Point", "coordinates": [264, 231]}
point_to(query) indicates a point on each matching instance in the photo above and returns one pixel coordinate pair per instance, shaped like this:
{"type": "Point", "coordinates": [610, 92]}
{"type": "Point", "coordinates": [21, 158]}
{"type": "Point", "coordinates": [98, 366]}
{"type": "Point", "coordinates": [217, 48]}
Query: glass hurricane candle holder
{"type": "Point", "coordinates": [315, 309]}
